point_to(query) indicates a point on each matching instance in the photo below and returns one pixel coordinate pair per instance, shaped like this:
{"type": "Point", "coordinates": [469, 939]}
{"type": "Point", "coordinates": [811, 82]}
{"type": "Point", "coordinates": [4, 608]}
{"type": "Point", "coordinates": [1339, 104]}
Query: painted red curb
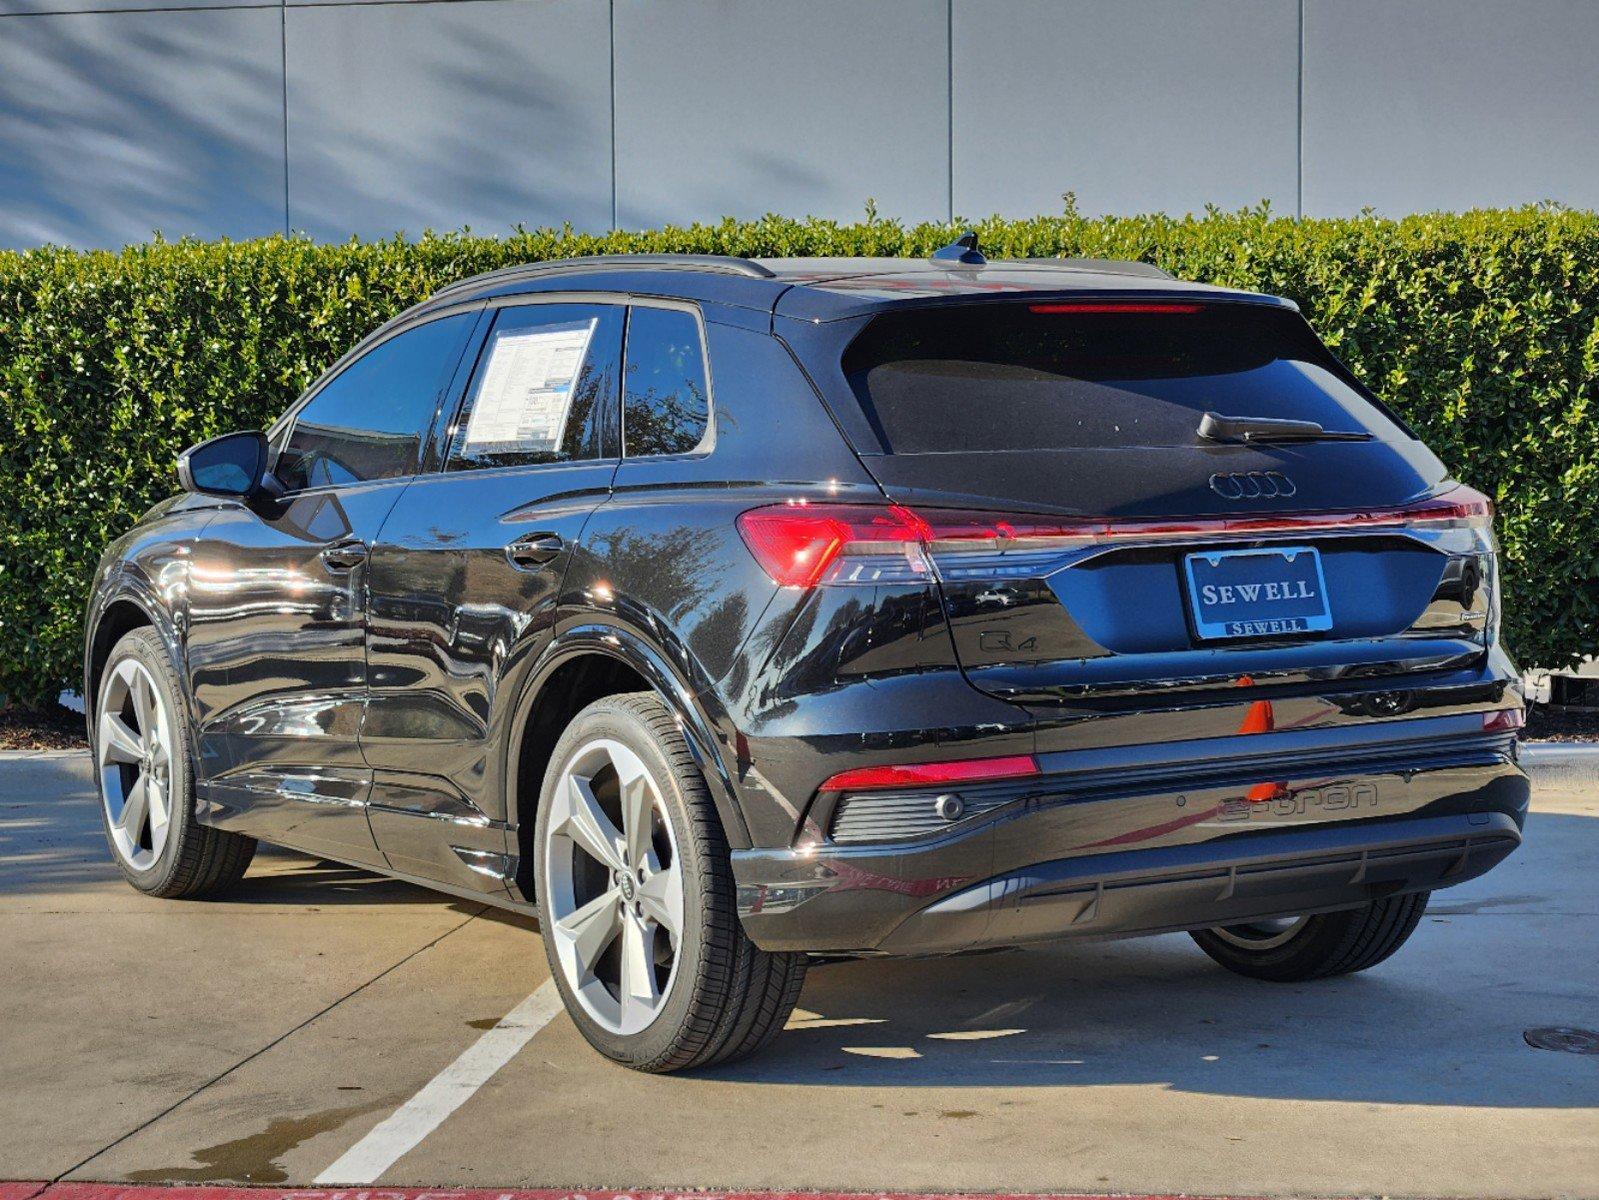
{"type": "Point", "coordinates": [116, 1191]}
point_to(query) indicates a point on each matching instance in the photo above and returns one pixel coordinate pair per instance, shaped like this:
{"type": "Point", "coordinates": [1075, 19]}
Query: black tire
{"type": "Point", "coordinates": [1336, 943]}
{"type": "Point", "coordinates": [196, 859]}
{"type": "Point", "coordinates": [727, 997]}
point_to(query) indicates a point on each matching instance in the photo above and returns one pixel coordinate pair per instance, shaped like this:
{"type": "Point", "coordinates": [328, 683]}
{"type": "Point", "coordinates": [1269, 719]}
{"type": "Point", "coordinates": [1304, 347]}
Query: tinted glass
{"type": "Point", "coordinates": [665, 398]}
{"type": "Point", "coordinates": [544, 389]}
{"type": "Point", "coordinates": [368, 422]}
{"type": "Point", "coordinates": [1004, 377]}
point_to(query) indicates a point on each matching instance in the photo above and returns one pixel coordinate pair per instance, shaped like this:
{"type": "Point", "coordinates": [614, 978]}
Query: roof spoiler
{"type": "Point", "coordinates": [1105, 266]}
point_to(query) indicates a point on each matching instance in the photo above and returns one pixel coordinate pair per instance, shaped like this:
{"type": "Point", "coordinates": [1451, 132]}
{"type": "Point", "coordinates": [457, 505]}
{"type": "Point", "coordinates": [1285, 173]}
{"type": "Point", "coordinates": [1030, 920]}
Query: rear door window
{"type": "Point", "coordinates": [544, 390]}
{"type": "Point", "coordinates": [666, 398]}
{"type": "Point", "coordinates": [998, 377]}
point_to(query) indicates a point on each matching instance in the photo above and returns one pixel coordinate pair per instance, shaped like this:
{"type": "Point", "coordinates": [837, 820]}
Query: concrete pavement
{"type": "Point", "coordinates": [257, 1039]}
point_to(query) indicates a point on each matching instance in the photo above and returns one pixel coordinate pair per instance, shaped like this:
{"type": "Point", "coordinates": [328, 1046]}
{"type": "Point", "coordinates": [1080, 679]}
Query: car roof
{"type": "Point", "coordinates": [829, 289]}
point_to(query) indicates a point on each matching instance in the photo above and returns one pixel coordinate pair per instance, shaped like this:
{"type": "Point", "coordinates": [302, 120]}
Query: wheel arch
{"type": "Point", "coordinates": [114, 618]}
{"type": "Point", "coordinates": [583, 663]}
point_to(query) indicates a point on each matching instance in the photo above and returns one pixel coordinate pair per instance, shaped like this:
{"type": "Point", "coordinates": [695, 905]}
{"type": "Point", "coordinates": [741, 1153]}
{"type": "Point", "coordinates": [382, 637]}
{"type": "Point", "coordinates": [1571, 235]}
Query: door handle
{"type": "Point", "coordinates": [534, 550]}
{"type": "Point", "coordinates": [345, 556]}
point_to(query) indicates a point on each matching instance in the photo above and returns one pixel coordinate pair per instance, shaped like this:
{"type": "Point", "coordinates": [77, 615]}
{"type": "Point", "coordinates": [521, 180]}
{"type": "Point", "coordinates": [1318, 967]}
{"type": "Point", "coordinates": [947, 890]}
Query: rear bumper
{"type": "Point", "coordinates": [1098, 854]}
{"type": "Point", "coordinates": [1265, 875]}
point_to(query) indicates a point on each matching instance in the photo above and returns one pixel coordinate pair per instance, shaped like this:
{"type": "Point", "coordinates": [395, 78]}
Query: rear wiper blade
{"type": "Point", "coordinates": [1217, 428]}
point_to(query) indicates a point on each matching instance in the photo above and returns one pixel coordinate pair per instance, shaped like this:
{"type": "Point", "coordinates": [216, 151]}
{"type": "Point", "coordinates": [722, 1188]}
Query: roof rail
{"type": "Point", "coordinates": [721, 263]}
{"type": "Point", "coordinates": [1106, 266]}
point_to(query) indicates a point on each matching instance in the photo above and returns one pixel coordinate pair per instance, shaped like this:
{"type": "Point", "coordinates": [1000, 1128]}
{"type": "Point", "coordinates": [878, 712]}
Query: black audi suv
{"type": "Point", "coordinates": [728, 614]}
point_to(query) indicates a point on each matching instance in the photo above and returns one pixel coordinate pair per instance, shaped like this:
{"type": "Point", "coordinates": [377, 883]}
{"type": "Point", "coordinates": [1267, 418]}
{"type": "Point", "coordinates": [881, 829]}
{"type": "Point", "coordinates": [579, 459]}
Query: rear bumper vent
{"type": "Point", "coordinates": [892, 816]}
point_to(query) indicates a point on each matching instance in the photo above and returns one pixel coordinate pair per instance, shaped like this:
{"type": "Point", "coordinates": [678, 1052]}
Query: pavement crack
{"type": "Point", "coordinates": [277, 1041]}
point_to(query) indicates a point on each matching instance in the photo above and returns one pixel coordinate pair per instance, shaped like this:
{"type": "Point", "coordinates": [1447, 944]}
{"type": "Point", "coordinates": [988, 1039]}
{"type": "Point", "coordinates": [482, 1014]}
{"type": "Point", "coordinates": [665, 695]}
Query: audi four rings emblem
{"type": "Point", "coordinates": [1255, 485]}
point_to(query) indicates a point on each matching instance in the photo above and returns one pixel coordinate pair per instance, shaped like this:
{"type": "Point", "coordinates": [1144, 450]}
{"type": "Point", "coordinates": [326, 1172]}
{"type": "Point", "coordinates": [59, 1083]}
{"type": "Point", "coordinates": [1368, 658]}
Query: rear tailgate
{"type": "Point", "coordinates": [1086, 537]}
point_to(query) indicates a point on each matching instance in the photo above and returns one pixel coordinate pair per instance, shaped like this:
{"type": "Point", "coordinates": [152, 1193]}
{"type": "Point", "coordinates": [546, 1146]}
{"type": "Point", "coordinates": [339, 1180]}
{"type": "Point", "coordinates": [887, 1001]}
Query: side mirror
{"type": "Point", "coordinates": [231, 465]}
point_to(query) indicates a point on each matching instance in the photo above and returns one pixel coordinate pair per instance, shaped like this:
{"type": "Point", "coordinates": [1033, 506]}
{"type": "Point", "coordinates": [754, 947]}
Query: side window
{"type": "Point", "coordinates": [369, 421]}
{"type": "Point", "coordinates": [665, 397]}
{"type": "Point", "coordinates": [544, 389]}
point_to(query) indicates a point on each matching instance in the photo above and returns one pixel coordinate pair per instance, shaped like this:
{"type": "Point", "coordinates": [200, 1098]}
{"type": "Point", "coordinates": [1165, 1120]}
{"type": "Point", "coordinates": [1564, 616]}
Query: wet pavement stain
{"type": "Point", "coordinates": [254, 1158]}
{"type": "Point", "coordinates": [1465, 908]}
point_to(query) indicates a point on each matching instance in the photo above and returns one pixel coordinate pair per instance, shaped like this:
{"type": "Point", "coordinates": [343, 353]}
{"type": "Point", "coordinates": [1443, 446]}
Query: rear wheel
{"type": "Point", "coordinates": [143, 753]}
{"type": "Point", "coordinates": [1314, 947]}
{"type": "Point", "coordinates": [636, 899]}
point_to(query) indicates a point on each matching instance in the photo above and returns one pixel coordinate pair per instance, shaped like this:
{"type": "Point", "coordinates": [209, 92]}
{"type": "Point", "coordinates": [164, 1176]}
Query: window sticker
{"type": "Point", "coordinates": [526, 394]}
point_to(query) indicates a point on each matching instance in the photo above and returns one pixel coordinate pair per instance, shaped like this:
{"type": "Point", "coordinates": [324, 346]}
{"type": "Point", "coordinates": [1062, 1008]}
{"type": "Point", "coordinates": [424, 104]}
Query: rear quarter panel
{"type": "Point", "coordinates": [663, 558]}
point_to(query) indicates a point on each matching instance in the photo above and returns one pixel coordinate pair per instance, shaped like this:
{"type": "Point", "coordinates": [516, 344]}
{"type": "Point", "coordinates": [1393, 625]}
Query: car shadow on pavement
{"type": "Point", "coordinates": [52, 843]}
{"type": "Point", "coordinates": [286, 877]}
{"type": "Point", "coordinates": [1439, 1023]}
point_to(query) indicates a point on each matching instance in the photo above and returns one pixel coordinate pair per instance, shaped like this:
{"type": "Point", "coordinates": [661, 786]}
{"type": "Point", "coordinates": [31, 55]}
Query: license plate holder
{"type": "Point", "coordinates": [1257, 593]}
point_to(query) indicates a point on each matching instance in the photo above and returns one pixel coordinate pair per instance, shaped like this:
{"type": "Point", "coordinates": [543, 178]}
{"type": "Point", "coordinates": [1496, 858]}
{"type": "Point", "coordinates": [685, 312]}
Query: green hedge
{"type": "Point", "coordinates": [1482, 328]}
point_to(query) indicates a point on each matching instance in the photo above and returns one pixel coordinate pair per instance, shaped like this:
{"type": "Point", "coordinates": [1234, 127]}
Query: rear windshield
{"type": "Point", "coordinates": [1023, 377]}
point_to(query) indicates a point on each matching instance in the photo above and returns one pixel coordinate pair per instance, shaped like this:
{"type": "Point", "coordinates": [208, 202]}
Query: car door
{"type": "Point", "coordinates": [464, 580]}
{"type": "Point", "coordinates": [277, 636]}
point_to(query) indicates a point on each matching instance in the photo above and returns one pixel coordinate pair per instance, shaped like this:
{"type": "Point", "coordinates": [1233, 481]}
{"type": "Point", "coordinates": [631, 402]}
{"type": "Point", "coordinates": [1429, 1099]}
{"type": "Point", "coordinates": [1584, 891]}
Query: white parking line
{"type": "Point", "coordinates": [424, 1112]}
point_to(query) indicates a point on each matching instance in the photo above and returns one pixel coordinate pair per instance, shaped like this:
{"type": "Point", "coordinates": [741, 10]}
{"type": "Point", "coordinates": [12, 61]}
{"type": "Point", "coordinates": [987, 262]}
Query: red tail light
{"type": "Point", "coordinates": [1504, 720]}
{"type": "Point", "coordinates": [968, 770]}
{"type": "Point", "coordinates": [797, 543]}
{"type": "Point", "coordinates": [802, 544]}
{"type": "Point", "coordinates": [1459, 506]}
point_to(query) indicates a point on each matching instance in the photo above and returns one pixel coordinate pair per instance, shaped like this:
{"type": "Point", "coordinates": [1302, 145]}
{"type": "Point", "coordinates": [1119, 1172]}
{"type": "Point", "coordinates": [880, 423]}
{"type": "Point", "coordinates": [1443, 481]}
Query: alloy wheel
{"type": "Point", "coordinates": [614, 886]}
{"type": "Point", "coordinates": [1261, 935]}
{"type": "Point", "coordinates": [133, 745]}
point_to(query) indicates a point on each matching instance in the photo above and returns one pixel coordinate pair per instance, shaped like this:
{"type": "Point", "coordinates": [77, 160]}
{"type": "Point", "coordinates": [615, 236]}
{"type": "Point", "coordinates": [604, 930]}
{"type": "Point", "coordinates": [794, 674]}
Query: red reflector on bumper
{"type": "Point", "coordinates": [970, 770]}
{"type": "Point", "coordinates": [1504, 720]}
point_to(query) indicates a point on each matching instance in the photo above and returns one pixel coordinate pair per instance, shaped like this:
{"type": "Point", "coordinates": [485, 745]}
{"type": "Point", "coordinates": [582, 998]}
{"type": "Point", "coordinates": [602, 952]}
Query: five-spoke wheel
{"type": "Point", "coordinates": [142, 748]}
{"type": "Point", "coordinates": [615, 886]}
{"type": "Point", "coordinates": [133, 739]}
{"type": "Point", "coordinates": [637, 899]}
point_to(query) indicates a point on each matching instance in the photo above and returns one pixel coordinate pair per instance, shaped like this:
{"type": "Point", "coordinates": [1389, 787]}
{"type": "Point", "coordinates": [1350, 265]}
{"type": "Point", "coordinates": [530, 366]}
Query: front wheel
{"type": "Point", "coordinates": [1313, 947]}
{"type": "Point", "coordinates": [636, 899]}
{"type": "Point", "coordinates": [143, 751]}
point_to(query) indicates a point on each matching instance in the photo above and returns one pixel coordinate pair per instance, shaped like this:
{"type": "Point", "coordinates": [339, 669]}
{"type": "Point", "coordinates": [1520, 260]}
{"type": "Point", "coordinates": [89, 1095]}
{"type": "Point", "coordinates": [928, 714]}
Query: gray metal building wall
{"type": "Point", "coordinates": [340, 117]}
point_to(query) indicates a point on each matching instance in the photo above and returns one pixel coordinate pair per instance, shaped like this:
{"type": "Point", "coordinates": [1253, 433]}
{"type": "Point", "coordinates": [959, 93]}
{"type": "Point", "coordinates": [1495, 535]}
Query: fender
{"type": "Point", "coordinates": [620, 642]}
{"type": "Point", "coordinates": [129, 586]}
{"type": "Point", "coordinates": [125, 575]}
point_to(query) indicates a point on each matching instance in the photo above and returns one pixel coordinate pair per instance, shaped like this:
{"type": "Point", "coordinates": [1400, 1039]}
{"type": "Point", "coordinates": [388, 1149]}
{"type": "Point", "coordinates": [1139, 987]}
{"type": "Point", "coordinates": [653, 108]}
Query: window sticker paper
{"type": "Point", "coordinates": [525, 398]}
